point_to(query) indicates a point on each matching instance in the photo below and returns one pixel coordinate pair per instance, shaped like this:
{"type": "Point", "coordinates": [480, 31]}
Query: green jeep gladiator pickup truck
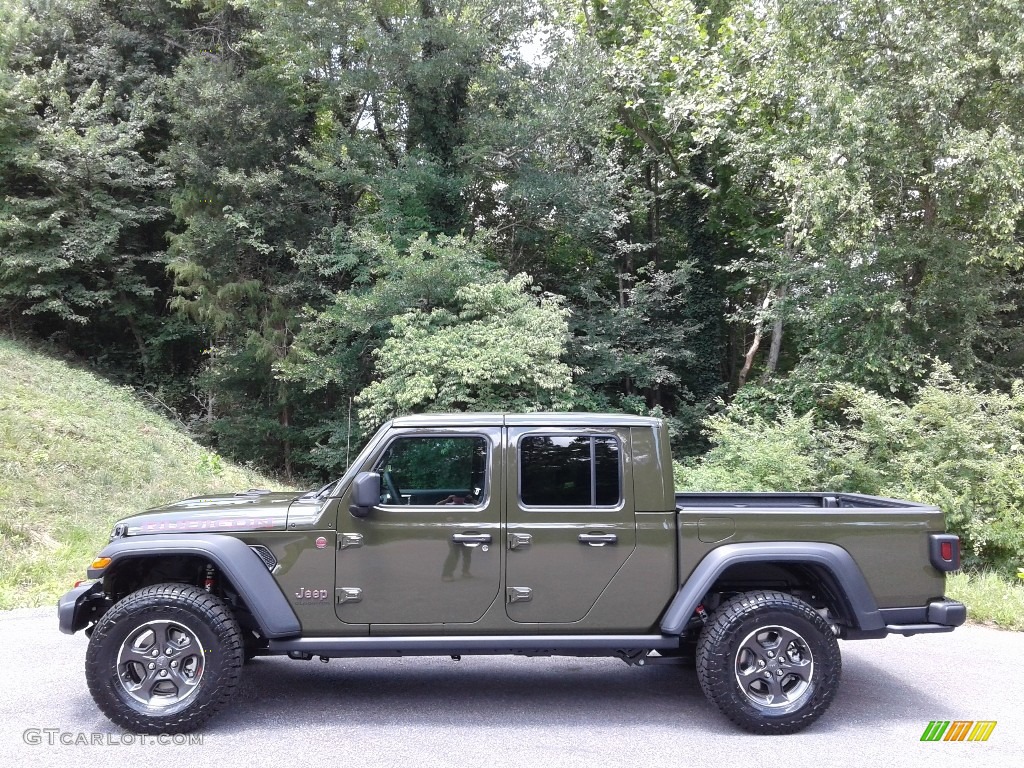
{"type": "Point", "coordinates": [531, 534]}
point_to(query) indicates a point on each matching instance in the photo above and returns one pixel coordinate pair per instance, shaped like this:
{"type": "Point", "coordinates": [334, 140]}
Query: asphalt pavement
{"type": "Point", "coordinates": [498, 711]}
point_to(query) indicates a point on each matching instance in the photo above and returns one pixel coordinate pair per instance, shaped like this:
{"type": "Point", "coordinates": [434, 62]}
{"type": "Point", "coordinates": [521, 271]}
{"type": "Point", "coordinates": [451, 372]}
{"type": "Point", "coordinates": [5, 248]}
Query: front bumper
{"type": "Point", "coordinates": [81, 606]}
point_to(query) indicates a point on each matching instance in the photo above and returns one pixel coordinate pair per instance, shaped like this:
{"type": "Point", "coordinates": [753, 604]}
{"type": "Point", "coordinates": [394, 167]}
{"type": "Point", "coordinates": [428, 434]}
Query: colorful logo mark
{"type": "Point", "coordinates": [958, 730]}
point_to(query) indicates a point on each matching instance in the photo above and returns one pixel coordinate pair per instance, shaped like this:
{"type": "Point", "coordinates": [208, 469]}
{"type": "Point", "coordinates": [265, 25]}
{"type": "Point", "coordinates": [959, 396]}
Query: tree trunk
{"type": "Point", "coordinates": [776, 347]}
{"type": "Point", "coordinates": [285, 420]}
{"type": "Point", "coordinates": [780, 297]}
{"type": "Point", "coordinates": [140, 343]}
{"type": "Point", "coordinates": [748, 360]}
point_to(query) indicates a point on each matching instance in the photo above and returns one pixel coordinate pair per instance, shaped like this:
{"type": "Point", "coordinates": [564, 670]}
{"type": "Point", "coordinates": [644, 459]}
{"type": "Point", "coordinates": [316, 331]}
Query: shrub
{"type": "Point", "coordinates": [952, 445]}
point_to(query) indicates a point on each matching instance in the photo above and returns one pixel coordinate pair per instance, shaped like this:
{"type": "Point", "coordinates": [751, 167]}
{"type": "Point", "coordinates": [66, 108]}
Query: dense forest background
{"type": "Point", "coordinates": [285, 221]}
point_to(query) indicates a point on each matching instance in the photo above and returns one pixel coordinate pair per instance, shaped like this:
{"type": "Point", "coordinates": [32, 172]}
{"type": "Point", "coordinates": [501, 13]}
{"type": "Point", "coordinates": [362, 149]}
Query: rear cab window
{"type": "Point", "coordinates": [570, 471]}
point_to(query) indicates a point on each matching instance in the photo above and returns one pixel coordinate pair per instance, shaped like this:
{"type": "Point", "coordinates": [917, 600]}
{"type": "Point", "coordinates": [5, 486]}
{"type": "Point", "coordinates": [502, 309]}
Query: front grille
{"type": "Point", "coordinates": [265, 555]}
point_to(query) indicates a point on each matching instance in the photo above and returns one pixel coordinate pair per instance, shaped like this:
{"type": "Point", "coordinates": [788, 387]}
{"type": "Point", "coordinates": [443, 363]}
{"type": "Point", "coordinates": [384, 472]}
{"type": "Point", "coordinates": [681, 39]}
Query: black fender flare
{"type": "Point", "coordinates": [859, 600]}
{"type": "Point", "coordinates": [243, 568]}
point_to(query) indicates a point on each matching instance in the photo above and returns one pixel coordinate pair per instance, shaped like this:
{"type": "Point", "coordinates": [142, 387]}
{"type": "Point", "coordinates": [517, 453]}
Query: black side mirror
{"type": "Point", "coordinates": [365, 493]}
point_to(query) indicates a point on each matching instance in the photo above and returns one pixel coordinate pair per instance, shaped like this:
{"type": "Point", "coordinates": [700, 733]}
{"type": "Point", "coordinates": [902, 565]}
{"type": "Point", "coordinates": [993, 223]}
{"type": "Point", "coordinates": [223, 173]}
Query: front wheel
{"type": "Point", "coordinates": [769, 662]}
{"type": "Point", "coordinates": [164, 659]}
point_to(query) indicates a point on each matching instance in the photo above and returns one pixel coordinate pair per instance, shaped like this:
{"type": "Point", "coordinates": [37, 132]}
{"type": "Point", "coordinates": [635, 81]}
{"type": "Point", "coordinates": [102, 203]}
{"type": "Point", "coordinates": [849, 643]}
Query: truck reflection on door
{"type": "Point", "coordinates": [455, 549]}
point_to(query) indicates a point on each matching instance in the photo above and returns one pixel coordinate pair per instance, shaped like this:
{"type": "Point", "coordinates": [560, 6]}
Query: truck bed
{"type": "Point", "coordinates": [888, 538]}
{"type": "Point", "coordinates": [813, 500]}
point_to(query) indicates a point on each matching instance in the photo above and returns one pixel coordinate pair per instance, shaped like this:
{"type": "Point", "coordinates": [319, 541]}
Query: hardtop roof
{"type": "Point", "coordinates": [542, 419]}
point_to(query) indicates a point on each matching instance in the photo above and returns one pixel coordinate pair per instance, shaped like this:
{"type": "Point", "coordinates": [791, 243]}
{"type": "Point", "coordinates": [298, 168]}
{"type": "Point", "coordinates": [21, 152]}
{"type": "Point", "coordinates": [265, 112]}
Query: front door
{"type": "Point", "coordinates": [571, 523]}
{"type": "Point", "coordinates": [429, 552]}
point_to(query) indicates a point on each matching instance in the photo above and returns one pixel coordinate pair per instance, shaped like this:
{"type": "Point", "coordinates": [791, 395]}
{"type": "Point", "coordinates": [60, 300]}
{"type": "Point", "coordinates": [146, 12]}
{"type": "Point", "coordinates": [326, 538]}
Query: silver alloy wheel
{"type": "Point", "coordinates": [774, 666]}
{"type": "Point", "coordinates": [160, 663]}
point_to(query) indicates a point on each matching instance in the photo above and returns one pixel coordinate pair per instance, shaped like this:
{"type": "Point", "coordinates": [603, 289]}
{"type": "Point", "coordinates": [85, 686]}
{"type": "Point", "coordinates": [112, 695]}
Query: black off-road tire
{"type": "Point", "coordinates": [164, 659]}
{"type": "Point", "coordinates": [769, 662]}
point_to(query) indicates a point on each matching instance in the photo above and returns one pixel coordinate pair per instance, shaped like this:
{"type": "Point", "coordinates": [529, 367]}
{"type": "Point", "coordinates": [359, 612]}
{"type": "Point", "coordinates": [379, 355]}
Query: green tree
{"type": "Point", "coordinates": [434, 326]}
{"type": "Point", "coordinates": [952, 445]}
{"type": "Point", "coordinates": [84, 198]}
{"type": "Point", "coordinates": [858, 166]}
{"type": "Point", "coordinates": [499, 349]}
{"type": "Point", "coordinates": [244, 212]}
{"type": "Point", "coordinates": [904, 186]}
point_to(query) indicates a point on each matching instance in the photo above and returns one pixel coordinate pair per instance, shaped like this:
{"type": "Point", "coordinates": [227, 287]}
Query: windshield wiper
{"type": "Point", "coordinates": [318, 492]}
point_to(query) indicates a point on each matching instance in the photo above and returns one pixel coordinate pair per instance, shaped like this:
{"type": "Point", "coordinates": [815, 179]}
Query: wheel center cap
{"type": "Point", "coordinates": [162, 662]}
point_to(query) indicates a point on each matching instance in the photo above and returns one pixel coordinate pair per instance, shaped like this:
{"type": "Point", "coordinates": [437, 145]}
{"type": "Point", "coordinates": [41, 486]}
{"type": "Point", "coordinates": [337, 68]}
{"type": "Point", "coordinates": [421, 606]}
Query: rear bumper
{"type": "Point", "coordinates": [948, 612]}
{"type": "Point", "coordinates": [80, 606]}
{"type": "Point", "coordinates": [938, 616]}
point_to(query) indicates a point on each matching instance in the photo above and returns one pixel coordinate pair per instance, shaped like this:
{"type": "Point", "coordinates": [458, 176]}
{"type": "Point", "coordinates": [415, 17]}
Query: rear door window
{"type": "Point", "coordinates": [569, 471]}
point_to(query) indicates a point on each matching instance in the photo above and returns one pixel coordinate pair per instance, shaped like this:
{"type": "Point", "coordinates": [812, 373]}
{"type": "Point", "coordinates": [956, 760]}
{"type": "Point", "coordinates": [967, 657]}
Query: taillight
{"type": "Point", "coordinates": [944, 551]}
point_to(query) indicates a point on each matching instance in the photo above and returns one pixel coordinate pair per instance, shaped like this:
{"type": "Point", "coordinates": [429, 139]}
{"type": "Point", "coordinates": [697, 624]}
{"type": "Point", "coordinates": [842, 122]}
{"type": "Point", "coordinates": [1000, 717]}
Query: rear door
{"type": "Point", "coordinates": [570, 522]}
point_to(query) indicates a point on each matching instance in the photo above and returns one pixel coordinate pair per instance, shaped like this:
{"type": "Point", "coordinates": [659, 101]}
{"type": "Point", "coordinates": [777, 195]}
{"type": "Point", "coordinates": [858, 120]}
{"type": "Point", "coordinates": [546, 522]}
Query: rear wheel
{"type": "Point", "coordinates": [769, 662]}
{"type": "Point", "coordinates": [164, 659]}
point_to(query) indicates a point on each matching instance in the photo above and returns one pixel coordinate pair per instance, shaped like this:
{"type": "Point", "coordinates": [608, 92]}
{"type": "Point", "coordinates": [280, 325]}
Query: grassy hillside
{"type": "Point", "coordinates": [77, 453]}
{"type": "Point", "coordinates": [990, 598]}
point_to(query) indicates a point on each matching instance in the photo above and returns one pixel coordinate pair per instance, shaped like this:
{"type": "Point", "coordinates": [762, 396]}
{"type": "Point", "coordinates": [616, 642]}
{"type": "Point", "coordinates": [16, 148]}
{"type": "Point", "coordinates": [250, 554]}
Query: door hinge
{"type": "Point", "coordinates": [349, 595]}
{"type": "Point", "coordinates": [346, 540]}
{"type": "Point", "coordinates": [517, 540]}
{"type": "Point", "coordinates": [518, 594]}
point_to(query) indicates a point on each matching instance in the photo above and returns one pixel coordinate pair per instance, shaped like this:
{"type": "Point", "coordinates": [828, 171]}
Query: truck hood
{"type": "Point", "coordinates": [248, 511]}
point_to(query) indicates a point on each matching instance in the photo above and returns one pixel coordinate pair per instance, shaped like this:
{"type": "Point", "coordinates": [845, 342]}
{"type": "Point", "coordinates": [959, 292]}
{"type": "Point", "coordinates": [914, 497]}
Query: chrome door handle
{"type": "Point", "coordinates": [471, 539]}
{"type": "Point", "coordinates": [598, 539]}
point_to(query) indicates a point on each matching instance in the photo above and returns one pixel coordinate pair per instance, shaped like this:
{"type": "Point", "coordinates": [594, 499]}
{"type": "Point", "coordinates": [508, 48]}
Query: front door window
{"type": "Point", "coordinates": [423, 471]}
